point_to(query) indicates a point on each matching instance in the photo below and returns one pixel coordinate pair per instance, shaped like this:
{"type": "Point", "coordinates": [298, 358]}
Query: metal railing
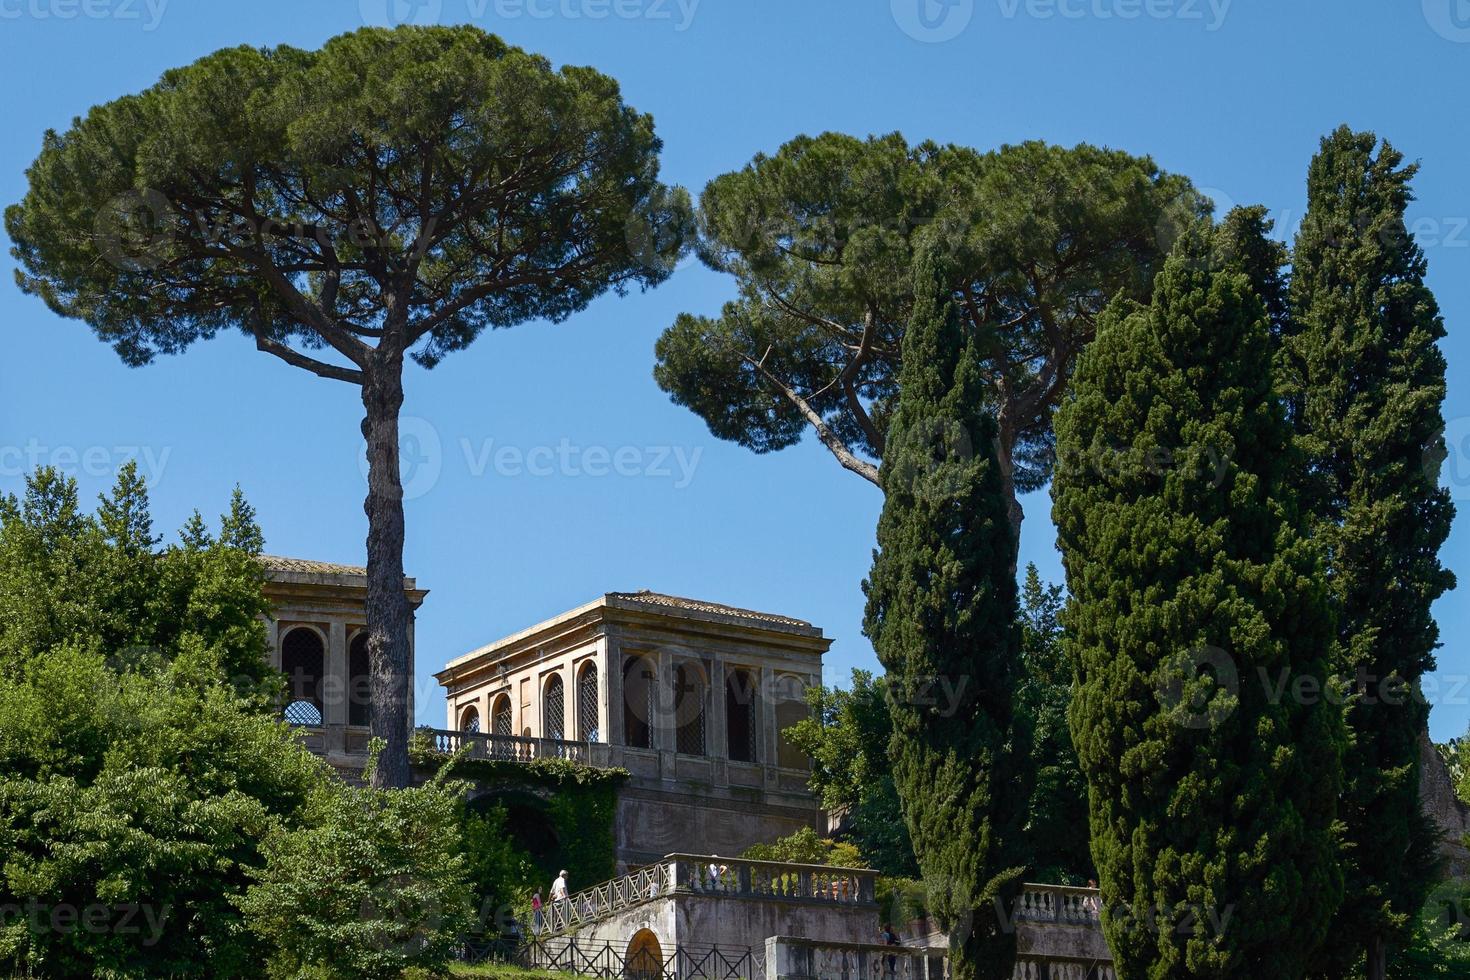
{"type": "Point", "coordinates": [705, 875]}
{"type": "Point", "coordinates": [614, 961]}
{"type": "Point", "coordinates": [597, 902]}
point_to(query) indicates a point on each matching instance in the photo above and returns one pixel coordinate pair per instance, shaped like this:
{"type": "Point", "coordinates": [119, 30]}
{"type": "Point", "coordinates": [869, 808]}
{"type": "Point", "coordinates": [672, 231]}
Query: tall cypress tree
{"type": "Point", "coordinates": [942, 614]}
{"type": "Point", "coordinates": [1365, 378]}
{"type": "Point", "coordinates": [1199, 627]}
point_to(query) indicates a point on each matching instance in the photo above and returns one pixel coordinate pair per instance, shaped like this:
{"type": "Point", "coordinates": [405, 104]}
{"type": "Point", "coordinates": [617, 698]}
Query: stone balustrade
{"type": "Point", "coordinates": [740, 878]}
{"type": "Point", "coordinates": [1059, 903]}
{"type": "Point", "coordinates": [514, 748]}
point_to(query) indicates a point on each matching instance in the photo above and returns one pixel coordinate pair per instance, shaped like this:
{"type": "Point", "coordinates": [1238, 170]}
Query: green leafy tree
{"type": "Point", "coordinates": [942, 616]}
{"type": "Point", "coordinates": [388, 196]}
{"type": "Point", "coordinates": [375, 882]}
{"type": "Point", "coordinates": [820, 240]}
{"type": "Point", "coordinates": [501, 872]}
{"type": "Point", "coordinates": [805, 847]}
{"type": "Point", "coordinates": [1201, 633]}
{"type": "Point", "coordinates": [132, 807]}
{"type": "Point", "coordinates": [1056, 822]}
{"type": "Point", "coordinates": [1364, 376]}
{"type": "Point", "coordinates": [1438, 948]}
{"type": "Point", "coordinates": [1456, 756]}
{"type": "Point", "coordinates": [846, 736]}
{"type": "Point", "coordinates": [101, 581]}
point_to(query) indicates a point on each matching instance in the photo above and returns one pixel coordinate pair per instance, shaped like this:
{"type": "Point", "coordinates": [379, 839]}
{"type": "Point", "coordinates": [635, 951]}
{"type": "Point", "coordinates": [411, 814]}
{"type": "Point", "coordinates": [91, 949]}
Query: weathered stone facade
{"type": "Point", "coordinates": [690, 697]}
{"type": "Point", "coordinates": [318, 640]}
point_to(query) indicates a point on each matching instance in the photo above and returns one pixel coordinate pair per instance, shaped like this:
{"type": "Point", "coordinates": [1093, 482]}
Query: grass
{"type": "Point", "coordinates": [503, 971]}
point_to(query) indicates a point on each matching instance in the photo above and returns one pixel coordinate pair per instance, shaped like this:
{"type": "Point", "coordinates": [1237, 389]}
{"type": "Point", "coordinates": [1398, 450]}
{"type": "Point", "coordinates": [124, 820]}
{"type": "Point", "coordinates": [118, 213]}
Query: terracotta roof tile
{"type": "Point", "coordinates": [646, 597]}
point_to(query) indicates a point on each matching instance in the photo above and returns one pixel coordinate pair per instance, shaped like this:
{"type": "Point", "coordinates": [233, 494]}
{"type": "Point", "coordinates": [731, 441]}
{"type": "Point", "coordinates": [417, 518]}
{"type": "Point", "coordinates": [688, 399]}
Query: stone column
{"type": "Point", "coordinates": [334, 688]}
{"type": "Point", "coordinates": [718, 737]}
{"type": "Point", "coordinates": [612, 693]}
{"type": "Point", "coordinates": [766, 720]}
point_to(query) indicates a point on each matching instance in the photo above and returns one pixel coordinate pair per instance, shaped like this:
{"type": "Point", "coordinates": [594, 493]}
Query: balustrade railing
{"type": "Point", "coordinates": [509, 748]}
{"type": "Point", "coordinates": [1059, 903]}
{"type": "Point", "coordinates": [737, 877]}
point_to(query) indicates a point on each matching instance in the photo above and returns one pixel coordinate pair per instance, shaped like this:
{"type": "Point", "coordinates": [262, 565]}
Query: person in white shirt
{"type": "Point", "coordinates": [559, 887]}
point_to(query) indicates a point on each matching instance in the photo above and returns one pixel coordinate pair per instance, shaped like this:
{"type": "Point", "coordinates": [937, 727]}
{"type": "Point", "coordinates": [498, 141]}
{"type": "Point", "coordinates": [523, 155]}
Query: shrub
{"type": "Point", "coordinates": [373, 884]}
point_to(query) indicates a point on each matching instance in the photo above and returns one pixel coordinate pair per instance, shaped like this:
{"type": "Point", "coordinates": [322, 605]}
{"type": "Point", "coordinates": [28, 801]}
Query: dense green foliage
{"type": "Point", "coordinates": [1456, 756]}
{"type": "Point", "coordinates": [146, 785]}
{"type": "Point", "coordinates": [374, 883]}
{"type": "Point", "coordinates": [805, 847]}
{"type": "Point", "coordinates": [389, 196]}
{"type": "Point", "coordinates": [138, 770]}
{"type": "Point", "coordinates": [1438, 947]}
{"type": "Point", "coordinates": [942, 617]}
{"type": "Point", "coordinates": [139, 799]}
{"type": "Point", "coordinates": [556, 814]}
{"type": "Point", "coordinates": [846, 736]}
{"type": "Point", "coordinates": [100, 581]}
{"type": "Point", "coordinates": [1200, 631]}
{"type": "Point", "coordinates": [820, 239]}
{"type": "Point", "coordinates": [1364, 377]}
{"type": "Point", "coordinates": [1056, 819]}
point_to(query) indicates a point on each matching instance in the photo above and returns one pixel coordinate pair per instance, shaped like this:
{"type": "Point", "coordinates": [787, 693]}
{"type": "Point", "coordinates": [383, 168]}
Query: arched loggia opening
{"type": "Point", "coordinates": [640, 701]}
{"type": "Point", "coordinates": [303, 661]}
{"type": "Point", "coordinates": [740, 725]}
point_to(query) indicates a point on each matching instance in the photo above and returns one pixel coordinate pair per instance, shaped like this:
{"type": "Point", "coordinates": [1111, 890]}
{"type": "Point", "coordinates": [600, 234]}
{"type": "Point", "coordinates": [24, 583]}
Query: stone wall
{"type": "Point", "coordinates": [1437, 797]}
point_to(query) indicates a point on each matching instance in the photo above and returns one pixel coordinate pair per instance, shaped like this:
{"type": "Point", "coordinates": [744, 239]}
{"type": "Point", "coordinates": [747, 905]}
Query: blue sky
{"type": "Point", "coordinates": [552, 468]}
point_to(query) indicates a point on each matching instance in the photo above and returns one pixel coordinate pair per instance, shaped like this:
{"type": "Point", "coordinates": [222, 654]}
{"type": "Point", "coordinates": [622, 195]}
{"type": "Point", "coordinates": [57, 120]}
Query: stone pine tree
{"type": "Point", "coordinates": [387, 197]}
{"type": "Point", "coordinates": [1365, 378]}
{"type": "Point", "coordinates": [820, 237]}
{"type": "Point", "coordinates": [942, 614]}
{"type": "Point", "coordinates": [1199, 630]}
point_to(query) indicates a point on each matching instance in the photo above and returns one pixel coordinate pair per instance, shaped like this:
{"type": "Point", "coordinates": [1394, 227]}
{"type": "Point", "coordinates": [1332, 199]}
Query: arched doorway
{"type": "Point", "coordinates": [645, 959]}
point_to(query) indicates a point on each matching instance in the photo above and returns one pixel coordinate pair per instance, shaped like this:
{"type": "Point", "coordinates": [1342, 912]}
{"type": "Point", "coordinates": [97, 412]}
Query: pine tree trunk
{"type": "Point", "coordinates": [1377, 959]}
{"type": "Point", "coordinates": [387, 604]}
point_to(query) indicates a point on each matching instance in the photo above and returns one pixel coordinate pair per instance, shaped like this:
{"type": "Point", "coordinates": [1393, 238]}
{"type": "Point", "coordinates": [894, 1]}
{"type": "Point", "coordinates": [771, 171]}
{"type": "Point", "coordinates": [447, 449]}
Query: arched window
{"type": "Point", "coordinates": [500, 720]}
{"type": "Point", "coordinates": [303, 661]}
{"type": "Point", "coordinates": [554, 709]}
{"type": "Point", "coordinates": [689, 699]}
{"type": "Point", "coordinates": [791, 707]}
{"type": "Point", "coordinates": [740, 727]}
{"type": "Point", "coordinates": [640, 702]}
{"type": "Point", "coordinates": [470, 720]}
{"type": "Point", "coordinates": [587, 704]}
{"type": "Point", "coordinates": [359, 682]}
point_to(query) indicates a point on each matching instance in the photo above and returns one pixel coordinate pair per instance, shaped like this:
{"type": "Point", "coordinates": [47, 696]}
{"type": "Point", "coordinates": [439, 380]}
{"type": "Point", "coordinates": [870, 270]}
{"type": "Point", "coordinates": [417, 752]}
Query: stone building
{"type": "Point", "coordinates": [690, 697]}
{"type": "Point", "coordinates": [319, 640]}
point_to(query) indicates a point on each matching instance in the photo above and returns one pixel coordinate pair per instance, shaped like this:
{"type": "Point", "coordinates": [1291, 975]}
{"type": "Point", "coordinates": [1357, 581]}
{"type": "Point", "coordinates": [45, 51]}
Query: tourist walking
{"type": "Point", "coordinates": [538, 917]}
{"type": "Point", "coordinates": [559, 905]}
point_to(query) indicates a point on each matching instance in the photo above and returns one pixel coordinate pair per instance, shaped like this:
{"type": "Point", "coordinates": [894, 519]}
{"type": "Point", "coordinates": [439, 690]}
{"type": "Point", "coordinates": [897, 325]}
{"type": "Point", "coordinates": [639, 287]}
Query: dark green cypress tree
{"type": "Point", "coordinates": [1198, 626]}
{"type": "Point", "coordinates": [942, 614]}
{"type": "Point", "coordinates": [1362, 370]}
